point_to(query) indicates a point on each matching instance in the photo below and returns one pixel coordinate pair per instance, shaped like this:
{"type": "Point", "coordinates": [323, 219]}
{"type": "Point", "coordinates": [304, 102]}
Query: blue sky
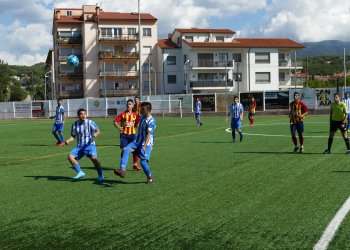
{"type": "Point", "coordinates": [25, 25]}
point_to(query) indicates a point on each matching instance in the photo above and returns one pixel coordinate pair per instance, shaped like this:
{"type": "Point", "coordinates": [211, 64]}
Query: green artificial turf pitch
{"type": "Point", "coordinates": [208, 193]}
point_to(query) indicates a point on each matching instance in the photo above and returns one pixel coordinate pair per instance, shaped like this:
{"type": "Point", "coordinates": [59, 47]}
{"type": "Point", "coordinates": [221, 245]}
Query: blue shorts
{"type": "Point", "coordinates": [197, 115]}
{"type": "Point", "coordinates": [140, 152]}
{"type": "Point", "coordinates": [88, 151]}
{"type": "Point", "coordinates": [298, 126]}
{"type": "Point", "coordinates": [126, 139]}
{"type": "Point", "coordinates": [235, 123]}
{"type": "Point", "coordinates": [57, 127]}
{"type": "Point", "coordinates": [348, 116]}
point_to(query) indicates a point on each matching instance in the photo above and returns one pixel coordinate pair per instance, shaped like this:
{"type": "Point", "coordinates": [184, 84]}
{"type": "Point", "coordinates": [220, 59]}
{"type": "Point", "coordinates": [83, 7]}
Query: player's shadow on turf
{"type": "Point", "coordinates": [341, 171]}
{"type": "Point", "coordinates": [106, 182]}
{"type": "Point", "coordinates": [213, 142]}
{"type": "Point", "coordinates": [37, 145]}
{"type": "Point", "coordinates": [281, 153]}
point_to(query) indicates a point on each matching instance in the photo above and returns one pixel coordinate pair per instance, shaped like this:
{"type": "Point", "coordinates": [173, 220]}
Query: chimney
{"type": "Point", "coordinates": [58, 14]}
{"type": "Point", "coordinates": [97, 10]}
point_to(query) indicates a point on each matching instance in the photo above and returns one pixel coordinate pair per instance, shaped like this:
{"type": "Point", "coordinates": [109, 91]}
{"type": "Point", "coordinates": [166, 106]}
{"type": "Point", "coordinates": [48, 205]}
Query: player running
{"type": "Point", "coordinates": [85, 131]}
{"type": "Point", "coordinates": [57, 128]}
{"type": "Point", "coordinates": [142, 145]}
{"type": "Point", "coordinates": [128, 121]}
{"type": "Point", "coordinates": [337, 119]}
{"type": "Point", "coordinates": [298, 110]}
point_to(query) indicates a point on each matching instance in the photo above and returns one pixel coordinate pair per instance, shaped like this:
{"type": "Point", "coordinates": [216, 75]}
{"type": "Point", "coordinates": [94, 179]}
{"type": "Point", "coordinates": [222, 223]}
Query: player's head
{"type": "Point", "coordinates": [146, 108]}
{"type": "Point", "coordinates": [347, 94]}
{"type": "Point", "coordinates": [59, 101]}
{"type": "Point", "coordinates": [198, 99]}
{"type": "Point", "coordinates": [253, 99]}
{"type": "Point", "coordinates": [137, 99]}
{"type": "Point", "coordinates": [235, 99]}
{"type": "Point", "coordinates": [296, 96]}
{"type": "Point", "coordinates": [129, 104]}
{"type": "Point", "coordinates": [336, 97]}
{"type": "Point", "coordinates": [81, 114]}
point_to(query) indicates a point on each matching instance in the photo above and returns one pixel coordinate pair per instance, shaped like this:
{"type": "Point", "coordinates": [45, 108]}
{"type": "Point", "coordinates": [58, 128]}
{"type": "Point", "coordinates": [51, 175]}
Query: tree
{"type": "Point", "coordinates": [5, 80]}
{"type": "Point", "coordinates": [17, 93]}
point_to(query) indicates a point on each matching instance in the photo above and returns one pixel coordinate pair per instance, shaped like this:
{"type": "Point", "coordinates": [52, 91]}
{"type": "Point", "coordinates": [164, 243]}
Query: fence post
{"type": "Point", "coordinates": [14, 109]}
{"type": "Point", "coordinates": [169, 103]}
{"type": "Point", "coordinates": [31, 110]}
{"type": "Point", "coordinates": [106, 107]}
{"type": "Point", "coordinates": [180, 108]}
{"type": "Point", "coordinates": [216, 104]}
{"type": "Point", "coordinates": [87, 107]}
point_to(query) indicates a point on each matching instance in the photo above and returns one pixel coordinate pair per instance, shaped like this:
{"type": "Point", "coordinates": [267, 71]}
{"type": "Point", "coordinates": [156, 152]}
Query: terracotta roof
{"type": "Point", "coordinates": [70, 19]}
{"type": "Point", "coordinates": [198, 30]}
{"type": "Point", "coordinates": [167, 44]}
{"type": "Point", "coordinates": [250, 43]}
{"type": "Point", "coordinates": [125, 16]}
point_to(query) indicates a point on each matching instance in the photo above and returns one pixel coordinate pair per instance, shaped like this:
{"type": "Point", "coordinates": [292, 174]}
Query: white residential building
{"type": "Point", "coordinates": [213, 60]}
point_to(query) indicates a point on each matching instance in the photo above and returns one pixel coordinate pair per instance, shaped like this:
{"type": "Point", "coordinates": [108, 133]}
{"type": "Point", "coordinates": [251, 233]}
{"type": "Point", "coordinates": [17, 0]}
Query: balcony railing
{"type": "Point", "coordinates": [118, 92]}
{"type": "Point", "coordinates": [117, 55]}
{"type": "Point", "coordinates": [64, 58]}
{"type": "Point", "coordinates": [68, 76]}
{"type": "Point", "coordinates": [210, 84]}
{"type": "Point", "coordinates": [289, 64]}
{"type": "Point", "coordinates": [212, 64]}
{"type": "Point", "coordinates": [69, 40]}
{"type": "Point", "coordinates": [71, 94]}
{"type": "Point", "coordinates": [133, 38]}
{"type": "Point", "coordinates": [120, 73]}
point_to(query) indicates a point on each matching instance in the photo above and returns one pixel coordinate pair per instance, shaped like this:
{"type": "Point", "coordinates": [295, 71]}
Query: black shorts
{"type": "Point", "coordinates": [126, 139]}
{"type": "Point", "coordinates": [250, 114]}
{"type": "Point", "coordinates": [334, 125]}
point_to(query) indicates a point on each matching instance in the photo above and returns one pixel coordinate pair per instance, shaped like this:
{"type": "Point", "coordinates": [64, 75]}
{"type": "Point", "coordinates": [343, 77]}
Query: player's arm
{"type": "Point", "coordinates": [70, 139]}
{"type": "Point", "coordinates": [96, 133]}
{"type": "Point", "coordinates": [242, 115]}
{"type": "Point", "coordinates": [53, 116]}
{"type": "Point", "coordinates": [116, 123]}
{"type": "Point", "coordinates": [305, 111]}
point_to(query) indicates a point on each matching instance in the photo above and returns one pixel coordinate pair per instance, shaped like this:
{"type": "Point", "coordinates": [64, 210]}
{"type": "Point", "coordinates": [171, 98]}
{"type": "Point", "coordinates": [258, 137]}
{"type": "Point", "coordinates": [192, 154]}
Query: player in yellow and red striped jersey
{"type": "Point", "coordinates": [127, 122]}
{"type": "Point", "coordinates": [137, 106]}
{"type": "Point", "coordinates": [298, 110]}
{"type": "Point", "coordinates": [251, 111]}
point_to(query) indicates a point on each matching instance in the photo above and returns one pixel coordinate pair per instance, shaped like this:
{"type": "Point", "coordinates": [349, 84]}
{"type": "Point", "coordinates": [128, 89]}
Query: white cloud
{"type": "Point", "coordinates": [312, 20]}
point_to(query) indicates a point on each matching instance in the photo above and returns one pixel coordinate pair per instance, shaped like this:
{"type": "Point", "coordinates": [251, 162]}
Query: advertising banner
{"type": "Point", "coordinates": [277, 100]}
{"type": "Point", "coordinates": [208, 101]}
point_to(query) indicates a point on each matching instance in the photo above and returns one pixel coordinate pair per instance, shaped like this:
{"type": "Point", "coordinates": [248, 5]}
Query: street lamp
{"type": "Point", "coordinates": [49, 72]}
{"type": "Point", "coordinates": [185, 69]}
{"type": "Point", "coordinates": [155, 80]}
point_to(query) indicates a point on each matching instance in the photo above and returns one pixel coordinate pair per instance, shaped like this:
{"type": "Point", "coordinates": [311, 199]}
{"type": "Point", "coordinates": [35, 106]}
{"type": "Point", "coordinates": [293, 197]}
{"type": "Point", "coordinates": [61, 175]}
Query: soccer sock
{"type": "Point", "coordinates": [135, 159]}
{"type": "Point", "coordinates": [146, 168]}
{"type": "Point", "coordinates": [301, 139]}
{"type": "Point", "coordinates": [240, 135]}
{"type": "Point", "coordinates": [233, 135]}
{"type": "Point", "coordinates": [61, 137]}
{"type": "Point", "coordinates": [330, 141]}
{"type": "Point", "coordinates": [99, 171]}
{"type": "Point", "coordinates": [56, 136]}
{"type": "Point", "coordinates": [125, 157]}
{"type": "Point", "coordinates": [252, 121]}
{"type": "Point", "coordinates": [347, 143]}
{"type": "Point", "coordinates": [77, 167]}
{"type": "Point", "coordinates": [294, 139]}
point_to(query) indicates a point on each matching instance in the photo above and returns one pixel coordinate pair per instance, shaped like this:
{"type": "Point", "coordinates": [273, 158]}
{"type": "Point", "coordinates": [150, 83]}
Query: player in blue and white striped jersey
{"type": "Point", "coordinates": [143, 143]}
{"type": "Point", "coordinates": [236, 109]}
{"type": "Point", "coordinates": [57, 128]}
{"type": "Point", "coordinates": [346, 100]}
{"type": "Point", "coordinates": [85, 131]}
{"type": "Point", "coordinates": [198, 111]}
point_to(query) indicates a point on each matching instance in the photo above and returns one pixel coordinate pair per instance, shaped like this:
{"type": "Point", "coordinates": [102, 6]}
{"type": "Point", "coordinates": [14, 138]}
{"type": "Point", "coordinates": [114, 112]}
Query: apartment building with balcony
{"type": "Point", "coordinates": [107, 45]}
{"type": "Point", "coordinates": [212, 60]}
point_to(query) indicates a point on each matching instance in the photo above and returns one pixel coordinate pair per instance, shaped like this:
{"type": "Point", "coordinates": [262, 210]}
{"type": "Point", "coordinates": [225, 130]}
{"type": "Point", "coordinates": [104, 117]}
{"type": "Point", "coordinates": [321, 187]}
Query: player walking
{"type": "Point", "coordinates": [236, 109]}
{"type": "Point", "coordinates": [128, 120]}
{"type": "Point", "coordinates": [337, 119]}
{"type": "Point", "coordinates": [298, 110]}
{"type": "Point", "coordinates": [251, 112]}
{"type": "Point", "coordinates": [198, 111]}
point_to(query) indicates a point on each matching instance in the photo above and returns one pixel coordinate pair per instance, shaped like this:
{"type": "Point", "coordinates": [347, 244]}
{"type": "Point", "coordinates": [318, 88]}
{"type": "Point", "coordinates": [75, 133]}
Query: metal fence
{"type": "Point", "coordinates": [174, 105]}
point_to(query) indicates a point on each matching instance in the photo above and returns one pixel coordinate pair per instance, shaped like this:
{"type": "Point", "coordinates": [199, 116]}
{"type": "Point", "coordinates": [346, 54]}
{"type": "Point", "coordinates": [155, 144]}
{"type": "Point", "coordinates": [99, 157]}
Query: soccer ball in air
{"type": "Point", "coordinates": [72, 60]}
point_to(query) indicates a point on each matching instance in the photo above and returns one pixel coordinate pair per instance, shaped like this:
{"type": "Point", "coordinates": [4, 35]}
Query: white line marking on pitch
{"type": "Point", "coordinates": [228, 130]}
{"type": "Point", "coordinates": [333, 226]}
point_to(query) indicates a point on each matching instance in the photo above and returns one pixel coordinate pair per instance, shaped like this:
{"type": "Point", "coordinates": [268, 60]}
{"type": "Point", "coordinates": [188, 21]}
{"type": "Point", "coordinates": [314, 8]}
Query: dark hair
{"type": "Point", "coordinates": [296, 93]}
{"type": "Point", "coordinates": [59, 99]}
{"type": "Point", "coordinates": [137, 97]}
{"type": "Point", "coordinates": [234, 97]}
{"type": "Point", "coordinates": [80, 110]}
{"type": "Point", "coordinates": [130, 100]}
{"type": "Point", "coordinates": [336, 93]}
{"type": "Point", "coordinates": [148, 105]}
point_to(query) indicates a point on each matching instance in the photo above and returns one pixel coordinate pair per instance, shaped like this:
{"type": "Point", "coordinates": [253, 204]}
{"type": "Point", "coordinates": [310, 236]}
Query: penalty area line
{"type": "Point", "coordinates": [333, 226]}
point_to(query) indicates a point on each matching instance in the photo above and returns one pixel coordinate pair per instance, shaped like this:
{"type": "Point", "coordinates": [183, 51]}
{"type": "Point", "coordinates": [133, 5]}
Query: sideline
{"type": "Point", "coordinates": [333, 226]}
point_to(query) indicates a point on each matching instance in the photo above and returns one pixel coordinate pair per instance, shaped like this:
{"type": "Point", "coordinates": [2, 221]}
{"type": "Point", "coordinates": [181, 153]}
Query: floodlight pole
{"type": "Point", "coordinates": [140, 54]}
{"type": "Point", "coordinates": [45, 82]}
